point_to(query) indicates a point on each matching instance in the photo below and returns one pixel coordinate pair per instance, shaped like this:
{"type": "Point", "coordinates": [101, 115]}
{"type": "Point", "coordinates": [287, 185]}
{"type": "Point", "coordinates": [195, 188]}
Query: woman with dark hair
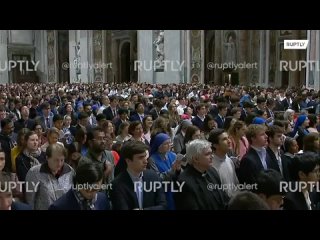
{"type": "Point", "coordinates": [208, 124]}
{"type": "Point", "coordinates": [192, 133]}
{"type": "Point", "coordinates": [313, 123]}
{"type": "Point", "coordinates": [30, 156]}
{"type": "Point", "coordinates": [74, 154]}
{"type": "Point", "coordinates": [311, 142]}
{"type": "Point", "coordinates": [136, 132]}
{"type": "Point", "coordinates": [147, 124]}
{"type": "Point", "coordinates": [81, 138]}
{"type": "Point", "coordinates": [109, 128]}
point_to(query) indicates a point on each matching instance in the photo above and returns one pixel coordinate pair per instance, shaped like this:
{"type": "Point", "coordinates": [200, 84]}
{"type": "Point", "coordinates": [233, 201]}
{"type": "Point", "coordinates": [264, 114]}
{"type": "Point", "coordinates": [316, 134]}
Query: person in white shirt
{"type": "Point", "coordinates": [221, 162]}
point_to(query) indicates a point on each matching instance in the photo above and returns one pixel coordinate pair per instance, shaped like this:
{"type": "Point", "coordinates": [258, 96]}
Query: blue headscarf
{"type": "Point", "coordinates": [298, 124]}
{"type": "Point", "coordinates": [158, 140]}
{"type": "Point", "coordinates": [258, 120]}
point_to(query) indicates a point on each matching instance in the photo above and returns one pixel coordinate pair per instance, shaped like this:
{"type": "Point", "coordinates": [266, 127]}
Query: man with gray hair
{"type": "Point", "coordinates": [202, 185]}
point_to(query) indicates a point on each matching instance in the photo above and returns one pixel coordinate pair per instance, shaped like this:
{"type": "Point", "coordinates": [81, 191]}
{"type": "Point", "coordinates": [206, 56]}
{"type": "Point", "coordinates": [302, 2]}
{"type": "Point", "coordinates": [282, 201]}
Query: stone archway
{"type": "Point", "coordinates": [125, 61]}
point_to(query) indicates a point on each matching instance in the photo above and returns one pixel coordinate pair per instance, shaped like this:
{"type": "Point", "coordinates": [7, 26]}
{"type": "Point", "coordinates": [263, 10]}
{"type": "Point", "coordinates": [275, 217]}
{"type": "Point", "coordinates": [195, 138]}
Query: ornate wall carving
{"type": "Point", "coordinates": [51, 36]}
{"type": "Point", "coordinates": [196, 56]}
{"type": "Point", "coordinates": [97, 55]}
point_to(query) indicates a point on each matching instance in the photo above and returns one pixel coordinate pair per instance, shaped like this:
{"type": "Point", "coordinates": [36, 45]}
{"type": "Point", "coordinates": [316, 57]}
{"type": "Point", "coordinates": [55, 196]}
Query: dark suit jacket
{"type": "Point", "coordinates": [68, 201]}
{"type": "Point", "coordinates": [219, 122]}
{"type": "Point", "coordinates": [135, 117]}
{"type": "Point", "coordinates": [18, 125]}
{"type": "Point", "coordinates": [42, 122]}
{"type": "Point", "coordinates": [296, 201]}
{"type": "Point", "coordinates": [251, 165]}
{"type": "Point", "coordinates": [74, 129]}
{"type": "Point", "coordinates": [197, 122]}
{"type": "Point", "coordinates": [285, 104]}
{"type": "Point", "coordinates": [274, 164]}
{"type": "Point", "coordinates": [109, 114]}
{"type": "Point", "coordinates": [178, 143]}
{"type": "Point", "coordinates": [124, 197]}
{"type": "Point", "coordinates": [20, 206]}
{"type": "Point", "coordinates": [195, 194]}
{"type": "Point", "coordinates": [243, 115]}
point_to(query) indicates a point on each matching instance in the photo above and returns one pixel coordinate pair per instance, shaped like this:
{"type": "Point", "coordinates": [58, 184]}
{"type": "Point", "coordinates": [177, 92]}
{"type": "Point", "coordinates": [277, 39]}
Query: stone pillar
{"type": "Point", "coordinates": [98, 56]}
{"type": "Point", "coordinates": [52, 56]}
{"type": "Point", "coordinates": [267, 54]}
{"type": "Point", "coordinates": [4, 76]}
{"type": "Point", "coordinates": [262, 61]}
{"type": "Point", "coordinates": [218, 57]}
{"type": "Point", "coordinates": [40, 44]}
{"type": "Point", "coordinates": [115, 62]}
{"type": "Point", "coordinates": [108, 57]}
{"type": "Point", "coordinates": [85, 61]}
{"type": "Point", "coordinates": [294, 79]}
{"type": "Point", "coordinates": [196, 56]}
{"type": "Point", "coordinates": [243, 56]}
{"type": "Point", "coordinates": [145, 56]}
{"type": "Point", "coordinates": [72, 55]}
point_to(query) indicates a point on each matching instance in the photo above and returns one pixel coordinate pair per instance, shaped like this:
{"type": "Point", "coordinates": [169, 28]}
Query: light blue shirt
{"type": "Point", "coordinates": [262, 152]}
{"type": "Point", "coordinates": [138, 190]}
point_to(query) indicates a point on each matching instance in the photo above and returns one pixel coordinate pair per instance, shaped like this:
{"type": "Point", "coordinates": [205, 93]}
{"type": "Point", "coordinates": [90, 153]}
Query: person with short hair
{"type": "Point", "coordinates": [129, 189]}
{"type": "Point", "coordinates": [202, 184]}
{"type": "Point", "coordinates": [85, 193]}
{"type": "Point", "coordinates": [50, 180]}
{"type": "Point", "coordinates": [221, 162]}
{"type": "Point", "coordinates": [267, 187]}
{"type": "Point", "coordinates": [30, 156]}
{"type": "Point", "coordinates": [256, 159]}
{"type": "Point", "coordinates": [7, 202]}
{"type": "Point", "coordinates": [305, 173]}
{"type": "Point", "coordinates": [247, 201]}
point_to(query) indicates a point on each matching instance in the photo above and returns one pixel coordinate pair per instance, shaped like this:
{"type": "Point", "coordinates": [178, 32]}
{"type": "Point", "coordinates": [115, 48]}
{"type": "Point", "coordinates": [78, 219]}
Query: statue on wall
{"type": "Point", "coordinates": [77, 59]}
{"type": "Point", "coordinates": [230, 50]}
{"type": "Point", "coordinates": [159, 45]}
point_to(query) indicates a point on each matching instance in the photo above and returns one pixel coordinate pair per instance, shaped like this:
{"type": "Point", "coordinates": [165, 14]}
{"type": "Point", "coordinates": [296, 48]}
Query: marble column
{"type": "Point", "coordinates": [243, 56]}
{"type": "Point", "coordinates": [294, 79]}
{"type": "Point", "coordinates": [108, 57]}
{"type": "Point", "coordinates": [52, 56]}
{"type": "Point", "coordinates": [85, 62]}
{"type": "Point", "coordinates": [98, 55]}
{"type": "Point", "coordinates": [40, 44]}
{"type": "Point", "coordinates": [218, 56]}
{"type": "Point", "coordinates": [4, 77]}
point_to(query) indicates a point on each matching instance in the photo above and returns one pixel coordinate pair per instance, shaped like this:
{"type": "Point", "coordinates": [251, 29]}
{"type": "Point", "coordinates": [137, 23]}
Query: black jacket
{"type": "Point", "coordinates": [198, 191]}
{"type": "Point", "coordinates": [123, 195]}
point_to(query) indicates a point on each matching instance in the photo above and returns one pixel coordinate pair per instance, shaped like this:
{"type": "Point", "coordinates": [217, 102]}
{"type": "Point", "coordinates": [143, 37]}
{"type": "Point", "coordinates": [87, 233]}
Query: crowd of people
{"type": "Point", "coordinates": [159, 147]}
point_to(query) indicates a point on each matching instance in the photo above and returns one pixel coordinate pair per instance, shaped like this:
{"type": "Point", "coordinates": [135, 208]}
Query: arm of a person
{"type": "Point", "coordinates": [176, 145]}
{"type": "Point", "coordinates": [118, 198]}
{"type": "Point", "coordinates": [185, 200]}
{"type": "Point", "coordinates": [160, 200]}
{"type": "Point", "coordinates": [32, 183]}
{"type": "Point", "coordinates": [165, 176]}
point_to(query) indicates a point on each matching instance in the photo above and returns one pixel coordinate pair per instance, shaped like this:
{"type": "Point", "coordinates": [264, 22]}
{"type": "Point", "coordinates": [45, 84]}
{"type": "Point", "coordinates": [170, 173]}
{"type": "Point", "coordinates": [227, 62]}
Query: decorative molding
{"type": "Point", "coordinates": [51, 44]}
{"type": "Point", "coordinates": [97, 56]}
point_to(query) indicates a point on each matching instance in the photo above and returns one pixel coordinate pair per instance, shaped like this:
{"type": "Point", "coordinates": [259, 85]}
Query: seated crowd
{"type": "Point", "coordinates": [158, 147]}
